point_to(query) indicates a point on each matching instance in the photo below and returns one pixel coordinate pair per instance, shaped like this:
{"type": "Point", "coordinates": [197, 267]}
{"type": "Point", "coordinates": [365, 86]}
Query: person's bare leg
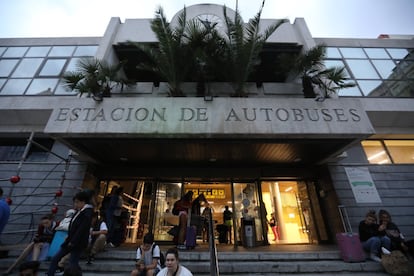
{"type": "Point", "coordinates": [36, 251]}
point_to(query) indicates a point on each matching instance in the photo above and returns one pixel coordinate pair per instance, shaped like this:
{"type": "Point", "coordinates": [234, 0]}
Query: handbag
{"type": "Point", "coordinates": [396, 263]}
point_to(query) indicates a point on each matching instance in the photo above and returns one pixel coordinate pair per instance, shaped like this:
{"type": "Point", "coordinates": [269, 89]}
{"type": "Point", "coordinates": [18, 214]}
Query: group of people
{"type": "Point", "coordinates": [149, 263]}
{"type": "Point", "coordinates": [82, 230]}
{"type": "Point", "coordinates": [380, 235]}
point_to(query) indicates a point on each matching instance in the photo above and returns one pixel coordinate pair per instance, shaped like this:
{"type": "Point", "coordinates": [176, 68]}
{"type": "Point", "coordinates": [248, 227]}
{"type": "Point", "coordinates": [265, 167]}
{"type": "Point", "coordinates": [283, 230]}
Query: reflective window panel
{"type": "Point", "coordinates": [353, 53]}
{"type": "Point", "coordinates": [362, 69]}
{"type": "Point", "coordinates": [401, 151]}
{"type": "Point", "coordinates": [84, 51]}
{"type": "Point", "coordinates": [15, 52]}
{"type": "Point", "coordinates": [376, 53]}
{"type": "Point", "coordinates": [61, 51]}
{"type": "Point", "coordinates": [53, 67]}
{"type": "Point", "coordinates": [40, 51]}
{"type": "Point", "coordinates": [398, 53]}
{"type": "Point", "coordinates": [332, 52]}
{"type": "Point", "coordinates": [27, 67]}
{"type": "Point", "coordinates": [42, 87]}
{"type": "Point", "coordinates": [15, 87]}
{"type": "Point", "coordinates": [375, 152]}
{"type": "Point", "coordinates": [7, 66]}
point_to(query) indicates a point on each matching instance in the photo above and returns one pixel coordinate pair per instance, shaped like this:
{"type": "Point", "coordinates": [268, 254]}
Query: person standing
{"type": "Point", "coordinates": [274, 226]}
{"type": "Point", "coordinates": [4, 212]}
{"type": "Point", "coordinates": [183, 207]}
{"type": "Point", "coordinates": [115, 230]}
{"type": "Point", "coordinates": [172, 265]}
{"type": "Point", "coordinates": [228, 220]}
{"type": "Point", "coordinates": [372, 236]}
{"type": "Point", "coordinates": [78, 235]}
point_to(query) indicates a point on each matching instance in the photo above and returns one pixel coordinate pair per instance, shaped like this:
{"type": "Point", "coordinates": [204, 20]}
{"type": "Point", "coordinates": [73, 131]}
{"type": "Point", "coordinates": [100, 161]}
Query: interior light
{"type": "Point", "coordinates": [383, 161]}
{"type": "Point", "coordinates": [288, 189]}
{"type": "Point", "coordinates": [376, 155]}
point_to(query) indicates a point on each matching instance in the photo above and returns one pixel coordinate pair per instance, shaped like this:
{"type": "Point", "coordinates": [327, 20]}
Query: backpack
{"type": "Point", "coordinates": [162, 257]}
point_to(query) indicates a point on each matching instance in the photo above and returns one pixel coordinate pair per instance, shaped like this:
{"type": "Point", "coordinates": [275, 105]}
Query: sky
{"type": "Point", "coordinates": [324, 18]}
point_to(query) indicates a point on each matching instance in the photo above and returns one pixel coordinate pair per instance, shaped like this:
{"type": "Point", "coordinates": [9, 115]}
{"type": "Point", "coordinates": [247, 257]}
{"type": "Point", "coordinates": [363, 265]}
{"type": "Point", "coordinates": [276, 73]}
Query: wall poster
{"type": "Point", "coordinates": [362, 185]}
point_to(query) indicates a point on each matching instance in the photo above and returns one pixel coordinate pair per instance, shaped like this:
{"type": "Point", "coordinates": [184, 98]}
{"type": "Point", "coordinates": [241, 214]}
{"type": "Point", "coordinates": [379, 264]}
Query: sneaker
{"type": "Point", "coordinates": [375, 258]}
{"type": "Point", "coordinates": [181, 247]}
{"type": "Point", "coordinates": [110, 244]}
{"type": "Point", "coordinates": [385, 251]}
{"type": "Point", "coordinates": [91, 258]}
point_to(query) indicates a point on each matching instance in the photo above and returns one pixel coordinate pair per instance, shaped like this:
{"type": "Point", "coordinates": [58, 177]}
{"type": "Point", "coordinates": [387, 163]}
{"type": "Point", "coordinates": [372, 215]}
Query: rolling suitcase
{"type": "Point", "coordinates": [190, 233]}
{"type": "Point", "coordinates": [348, 242]}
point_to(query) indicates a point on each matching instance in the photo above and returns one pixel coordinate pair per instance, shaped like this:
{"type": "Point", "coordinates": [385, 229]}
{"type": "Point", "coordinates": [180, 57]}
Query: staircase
{"type": "Point", "coordinates": [267, 260]}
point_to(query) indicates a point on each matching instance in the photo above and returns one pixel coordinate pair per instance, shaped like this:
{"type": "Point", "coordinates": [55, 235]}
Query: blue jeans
{"type": "Point", "coordinates": [373, 245]}
{"type": "Point", "coordinates": [75, 254]}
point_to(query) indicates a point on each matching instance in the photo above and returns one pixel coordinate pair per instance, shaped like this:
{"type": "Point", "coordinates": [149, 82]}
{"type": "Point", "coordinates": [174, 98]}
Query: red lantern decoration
{"type": "Point", "coordinates": [9, 201]}
{"type": "Point", "coordinates": [55, 210]}
{"type": "Point", "coordinates": [15, 179]}
{"type": "Point", "coordinates": [59, 193]}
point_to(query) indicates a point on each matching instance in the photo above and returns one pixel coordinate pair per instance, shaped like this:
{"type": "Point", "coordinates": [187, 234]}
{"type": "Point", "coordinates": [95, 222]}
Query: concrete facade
{"type": "Point", "coordinates": [273, 111]}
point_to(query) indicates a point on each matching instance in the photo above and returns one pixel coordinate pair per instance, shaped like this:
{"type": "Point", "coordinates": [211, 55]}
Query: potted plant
{"type": "Point", "coordinates": [95, 77]}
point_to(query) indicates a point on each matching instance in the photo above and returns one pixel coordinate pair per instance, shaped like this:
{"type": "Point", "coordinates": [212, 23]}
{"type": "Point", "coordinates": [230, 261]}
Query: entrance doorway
{"type": "Point", "coordinates": [290, 204]}
{"type": "Point", "coordinates": [148, 207]}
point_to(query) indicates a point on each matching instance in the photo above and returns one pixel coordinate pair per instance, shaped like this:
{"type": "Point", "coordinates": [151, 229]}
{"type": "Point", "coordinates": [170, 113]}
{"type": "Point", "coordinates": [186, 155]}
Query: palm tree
{"type": "Point", "coordinates": [95, 77]}
{"type": "Point", "coordinates": [243, 44]}
{"type": "Point", "coordinates": [170, 60]}
{"type": "Point", "coordinates": [314, 74]}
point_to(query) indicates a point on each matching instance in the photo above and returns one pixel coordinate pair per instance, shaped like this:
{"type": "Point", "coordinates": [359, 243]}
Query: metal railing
{"type": "Point", "coordinates": [214, 268]}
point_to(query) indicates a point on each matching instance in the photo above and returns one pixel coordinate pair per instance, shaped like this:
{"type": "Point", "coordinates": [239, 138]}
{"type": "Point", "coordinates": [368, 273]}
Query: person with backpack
{"type": "Point", "coordinates": [149, 258]}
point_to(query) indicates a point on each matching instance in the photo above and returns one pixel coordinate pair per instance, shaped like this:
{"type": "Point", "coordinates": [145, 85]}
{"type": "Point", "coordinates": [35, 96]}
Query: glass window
{"type": "Point", "coordinates": [42, 86]}
{"type": "Point", "coordinates": [40, 51]}
{"type": "Point", "coordinates": [387, 68]}
{"type": "Point", "coordinates": [332, 53]}
{"type": "Point", "coordinates": [27, 67]}
{"type": "Point", "coordinates": [53, 67]}
{"type": "Point", "coordinates": [371, 87]}
{"type": "Point", "coordinates": [399, 88]}
{"type": "Point", "coordinates": [62, 51]}
{"type": "Point", "coordinates": [350, 92]}
{"type": "Point", "coordinates": [2, 81]}
{"type": "Point", "coordinates": [408, 67]}
{"type": "Point", "coordinates": [15, 52]}
{"type": "Point", "coordinates": [83, 51]}
{"type": "Point", "coordinates": [375, 152]}
{"type": "Point", "coordinates": [15, 86]}
{"type": "Point", "coordinates": [398, 53]}
{"type": "Point", "coordinates": [2, 49]}
{"type": "Point", "coordinates": [352, 53]}
{"type": "Point", "coordinates": [62, 89]}
{"type": "Point", "coordinates": [73, 65]}
{"type": "Point", "coordinates": [401, 151]}
{"type": "Point", "coordinates": [376, 53]}
{"type": "Point", "coordinates": [7, 66]}
{"type": "Point", "coordinates": [336, 63]}
{"type": "Point", "coordinates": [362, 69]}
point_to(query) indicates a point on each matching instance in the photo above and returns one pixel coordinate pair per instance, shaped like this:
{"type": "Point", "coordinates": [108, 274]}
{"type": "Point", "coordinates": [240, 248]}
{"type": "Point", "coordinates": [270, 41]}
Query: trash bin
{"type": "Point", "coordinates": [248, 232]}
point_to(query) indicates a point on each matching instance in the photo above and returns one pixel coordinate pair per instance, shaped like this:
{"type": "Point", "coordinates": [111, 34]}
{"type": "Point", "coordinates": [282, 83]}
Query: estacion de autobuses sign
{"type": "Point", "coordinates": [222, 115]}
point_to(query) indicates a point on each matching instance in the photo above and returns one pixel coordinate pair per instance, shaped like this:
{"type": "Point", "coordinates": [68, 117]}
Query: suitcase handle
{"type": "Point", "coordinates": [345, 219]}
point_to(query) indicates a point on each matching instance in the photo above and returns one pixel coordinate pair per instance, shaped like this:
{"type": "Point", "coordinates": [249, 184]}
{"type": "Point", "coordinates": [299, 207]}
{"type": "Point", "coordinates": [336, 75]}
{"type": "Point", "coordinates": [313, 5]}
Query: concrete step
{"type": "Point", "coordinates": [327, 262]}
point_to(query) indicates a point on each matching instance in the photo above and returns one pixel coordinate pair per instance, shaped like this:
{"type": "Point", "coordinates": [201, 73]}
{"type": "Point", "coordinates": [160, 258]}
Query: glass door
{"type": "Point", "coordinates": [247, 214]}
{"type": "Point", "coordinates": [166, 194]}
{"type": "Point", "coordinates": [289, 202]}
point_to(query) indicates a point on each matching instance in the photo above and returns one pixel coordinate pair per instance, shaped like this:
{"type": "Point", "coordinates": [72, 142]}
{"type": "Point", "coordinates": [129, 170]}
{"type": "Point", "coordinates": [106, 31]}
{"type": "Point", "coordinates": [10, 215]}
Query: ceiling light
{"type": "Point", "coordinates": [376, 155]}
